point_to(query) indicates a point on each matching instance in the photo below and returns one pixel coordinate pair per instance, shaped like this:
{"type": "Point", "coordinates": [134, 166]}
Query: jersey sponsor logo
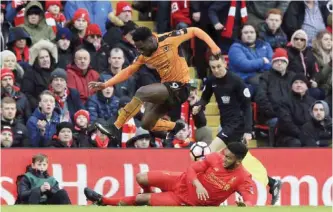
{"type": "Point", "coordinates": [247, 93]}
{"type": "Point", "coordinates": [225, 99]}
{"type": "Point", "coordinates": [166, 48]}
{"type": "Point", "coordinates": [174, 7]}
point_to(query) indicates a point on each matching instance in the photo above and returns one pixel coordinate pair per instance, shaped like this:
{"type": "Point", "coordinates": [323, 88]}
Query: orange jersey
{"type": "Point", "coordinates": [166, 60]}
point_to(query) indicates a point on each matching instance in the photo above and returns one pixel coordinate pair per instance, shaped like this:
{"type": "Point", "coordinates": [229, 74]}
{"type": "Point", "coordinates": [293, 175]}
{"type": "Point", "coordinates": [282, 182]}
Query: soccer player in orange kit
{"type": "Point", "coordinates": [208, 182]}
{"type": "Point", "coordinates": [159, 52]}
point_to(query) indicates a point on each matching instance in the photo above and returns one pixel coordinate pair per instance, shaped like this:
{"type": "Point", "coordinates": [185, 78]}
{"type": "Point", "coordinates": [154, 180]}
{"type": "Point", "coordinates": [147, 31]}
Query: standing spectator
{"type": "Point", "coordinates": [255, 54]}
{"type": "Point", "coordinates": [67, 99]}
{"type": "Point", "coordinates": [104, 104]}
{"type": "Point", "coordinates": [80, 74]}
{"type": "Point", "coordinates": [293, 112]}
{"type": "Point", "coordinates": [9, 61]}
{"type": "Point", "coordinates": [81, 124]}
{"type": "Point", "coordinates": [78, 26]}
{"type": "Point", "coordinates": [43, 58]}
{"type": "Point", "coordinates": [322, 48]}
{"type": "Point", "coordinates": [19, 131]}
{"type": "Point", "coordinates": [53, 15]}
{"type": "Point", "coordinates": [15, 11]}
{"type": "Point", "coordinates": [7, 137]}
{"type": "Point", "coordinates": [63, 138]}
{"type": "Point", "coordinates": [258, 9]}
{"type": "Point", "coordinates": [116, 64]}
{"type": "Point", "coordinates": [5, 26]}
{"type": "Point", "coordinates": [42, 124]}
{"type": "Point", "coordinates": [64, 44]}
{"type": "Point", "coordinates": [8, 89]}
{"type": "Point", "coordinates": [35, 23]}
{"type": "Point", "coordinates": [180, 14]}
{"type": "Point", "coordinates": [97, 49]}
{"type": "Point", "coordinates": [317, 132]}
{"type": "Point", "coordinates": [271, 31]}
{"type": "Point", "coordinates": [97, 10]}
{"type": "Point", "coordinates": [19, 42]}
{"type": "Point", "coordinates": [310, 15]}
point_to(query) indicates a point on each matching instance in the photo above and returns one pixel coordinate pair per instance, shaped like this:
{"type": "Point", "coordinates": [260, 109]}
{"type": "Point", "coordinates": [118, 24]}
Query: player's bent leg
{"type": "Point", "coordinates": [152, 115]}
{"type": "Point", "coordinates": [164, 199]}
{"type": "Point", "coordinates": [164, 180]}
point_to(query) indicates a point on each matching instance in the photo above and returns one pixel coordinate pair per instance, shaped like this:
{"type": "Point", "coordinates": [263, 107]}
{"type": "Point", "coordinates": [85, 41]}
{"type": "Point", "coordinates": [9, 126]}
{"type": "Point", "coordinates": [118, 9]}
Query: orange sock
{"type": "Point", "coordinates": [119, 201]}
{"type": "Point", "coordinates": [163, 125]}
{"type": "Point", "coordinates": [129, 111]}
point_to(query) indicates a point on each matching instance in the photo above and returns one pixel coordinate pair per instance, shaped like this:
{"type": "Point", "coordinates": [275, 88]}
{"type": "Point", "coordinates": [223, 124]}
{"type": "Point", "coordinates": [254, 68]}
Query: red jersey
{"type": "Point", "coordinates": [219, 182]}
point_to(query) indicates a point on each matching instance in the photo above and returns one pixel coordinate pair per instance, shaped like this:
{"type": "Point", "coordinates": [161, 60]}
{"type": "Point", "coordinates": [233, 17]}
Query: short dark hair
{"type": "Point", "coordinates": [39, 158]}
{"type": "Point", "coordinates": [141, 34]}
{"type": "Point", "coordinates": [248, 24]}
{"type": "Point", "coordinates": [238, 149]}
{"type": "Point", "coordinates": [212, 57]}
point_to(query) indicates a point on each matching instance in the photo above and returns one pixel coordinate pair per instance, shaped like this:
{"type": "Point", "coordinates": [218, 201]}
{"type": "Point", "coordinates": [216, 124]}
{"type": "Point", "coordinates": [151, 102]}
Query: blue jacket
{"type": "Point", "coordinates": [247, 62]}
{"type": "Point", "coordinates": [98, 11]}
{"type": "Point", "coordinates": [101, 107]}
{"type": "Point", "coordinates": [36, 140]}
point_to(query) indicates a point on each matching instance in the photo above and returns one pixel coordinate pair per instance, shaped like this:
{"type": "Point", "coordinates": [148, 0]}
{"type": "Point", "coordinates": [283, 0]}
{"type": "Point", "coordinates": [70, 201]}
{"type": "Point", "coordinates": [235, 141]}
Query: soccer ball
{"type": "Point", "coordinates": [199, 150]}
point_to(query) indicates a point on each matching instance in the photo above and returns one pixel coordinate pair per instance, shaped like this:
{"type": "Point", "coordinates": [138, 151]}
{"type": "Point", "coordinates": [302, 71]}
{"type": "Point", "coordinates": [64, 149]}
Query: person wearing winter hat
{"type": "Point", "coordinates": [82, 128]}
{"type": "Point", "coordinates": [54, 17]}
{"type": "Point", "coordinates": [64, 46]}
{"type": "Point", "coordinates": [7, 137]}
{"type": "Point", "coordinates": [9, 60]}
{"type": "Point", "coordinates": [81, 20]}
{"type": "Point", "coordinates": [19, 42]}
{"type": "Point", "coordinates": [63, 138]}
{"type": "Point", "coordinates": [293, 112]}
{"type": "Point", "coordinates": [141, 140]}
{"type": "Point", "coordinates": [67, 99]}
{"type": "Point", "coordinates": [124, 11]}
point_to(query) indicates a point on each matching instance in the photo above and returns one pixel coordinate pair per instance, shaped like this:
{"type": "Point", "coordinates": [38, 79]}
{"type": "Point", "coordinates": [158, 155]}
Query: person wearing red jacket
{"type": "Point", "coordinates": [180, 14]}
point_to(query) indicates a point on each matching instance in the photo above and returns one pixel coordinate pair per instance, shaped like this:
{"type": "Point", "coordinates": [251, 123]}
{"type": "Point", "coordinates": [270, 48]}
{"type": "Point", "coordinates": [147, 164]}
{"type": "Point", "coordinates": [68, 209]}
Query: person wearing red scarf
{"type": "Point", "coordinates": [63, 138]}
{"type": "Point", "coordinates": [101, 136]}
{"type": "Point", "coordinates": [53, 16]}
{"type": "Point", "coordinates": [19, 42]}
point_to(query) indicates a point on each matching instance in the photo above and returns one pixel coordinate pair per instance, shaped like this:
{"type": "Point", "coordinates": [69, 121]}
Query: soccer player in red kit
{"type": "Point", "coordinates": [208, 182]}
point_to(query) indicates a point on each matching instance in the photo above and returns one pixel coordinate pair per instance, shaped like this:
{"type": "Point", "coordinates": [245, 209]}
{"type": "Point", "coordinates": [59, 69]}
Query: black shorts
{"type": "Point", "coordinates": [231, 133]}
{"type": "Point", "coordinates": [178, 93]}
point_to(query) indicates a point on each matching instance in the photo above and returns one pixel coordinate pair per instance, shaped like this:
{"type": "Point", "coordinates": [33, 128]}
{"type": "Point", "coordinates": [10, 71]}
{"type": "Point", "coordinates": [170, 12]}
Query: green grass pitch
{"type": "Point", "coordinates": [159, 209]}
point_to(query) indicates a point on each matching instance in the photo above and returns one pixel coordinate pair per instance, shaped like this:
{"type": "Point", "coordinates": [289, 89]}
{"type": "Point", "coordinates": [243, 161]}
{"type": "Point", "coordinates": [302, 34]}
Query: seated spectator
{"type": "Point", "coordinates": [19, 131]}
{"type": "Point", "coordinates": [81, 124]}
{"type": "Point", "coordinates": [7, 137]}
{"type": "Point", "coordinates": [101, 136]}
{"type": "Point", "coordinates": [79, 74]}
{"type": "Point", "coordinates": [293, 112]}
{"type": "Point", "coordinates": [67, 99]}
{"type": "Point", "coordinates": [271, 31]}
{"type": "Point", "coordinates": [35, 23]}
{"type": "Point", "coordinates": [63, 138]}
{"type": "Point", "coordinates": [310, 16]}
{"type": "Point", "coordinates": [97, 10]}
{"type": "Point", "coordinates": [322, 48]}
{"type": "Point", "coordinates": [36, 186]}
{"type": "Point", "coordinates": [5, 26]}
{"type": "Point", "coordinates": [116, 64]}
{"type": "Point", "coordinates": [65, 49]}
{"type": "Point", "coordinates": [8, 89]}
{"type": "Point", "coordinates": [256, 57]}
{"type": "Point", "coordinates": [257, 10]}
{"type": "Point", "coordinates": [103, 104]}
{"type": "Point", "coordinates": [182, 139]}
{"type": "Point", "coordinates": [78, 26]}
{"type": "Point", "coordinates": [53, 15]}
{"type": "Point", "coordinates": [42, 124]}
{"type": "Point", "coordinates": [141, 140]}
{"type": "Point", "coordinates": [19, 42]}
{"type": "Point", "coordinates": [43, 58]}
{"type": "Point", "coordinates": [97, 49]}
{"type": "Point", "coordinates": [325, 83]}
{"type": "Point", "coordinates": [9, 61]}
{"type": "Point", "coordinates": [274, 86]}
{"type": "Point", "coordinates": [317, 132]}
{"type": "Point", "coordinates": [15, 12]}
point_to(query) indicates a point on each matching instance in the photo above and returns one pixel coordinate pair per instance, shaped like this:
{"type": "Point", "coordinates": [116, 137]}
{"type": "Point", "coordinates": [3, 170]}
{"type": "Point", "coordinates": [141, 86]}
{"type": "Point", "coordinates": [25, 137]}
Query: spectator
{"type": "Point", "coordinates": [7, 137]}
{"type": "Point", "coordinates": [182, 139]}
{"type": "Point", "coordinates": [256, 57]}
{"type": "Point", "coordinates": [35, 23]}
{"type": "Point", "coordinates": [258, 10]}
{"type": "Point", "coordinates": [293, 112]}
{"type": "Point", "coordinates": [311, 16]}
{"type": "Point", "coordinates": [329, 23]}
{"type": "Point", "coordinates": [103, 104]}
{"type": "Point", "coordinates": [63, 138]}
{"type": "Point", "coordinates": [78, 26]}
{"type": "Point", "coordinates": [8, 89]}
{"type": "Point", "coordinates": [67, 99]}
{"type": "Point", "coordinates": [65, 48]}
{"type": "Point", "coordinates": [271, 31]}
{"type": "Point", "coordinates": [5, 26]}
{"type": "Point", "coordinates": [9, 61]}
{"type": "Point", "coordinates": [15, 12]}
{"type": "Point", "coordinates": [180, 14]}
{"type": "Point", "coordinates": [322, 48]}
{"type": "Point", "coordinates": [36, 186]}
{"type": "Point", "coordinates": [42, 124]}
{"type": "Point", "coordinates": [53, 15]}
{"type": "Point", "coordinates": [80, 133]}
{"type": "Point", "coordinates": [19, 131]}
{"type": "Point", "coordinates": [317, 132]}
{"type": "Point", "coordinates": [325, 83]}
{"type": "Point", "coordinates": [97, 10]}
{"type": "Point", "coordinates": [122, 16]}
{"type": "Point", "coordinates": [79, 74]}
{"type": "Point", "coordinates": [116, 63]}
{"type": "Point", "coordinates": [43, 58]}
{"type": "Point", "coordinates": [101, 135]}
{"type": "Point", "coordinates": [141, 140]}
{"type": "Point", "coordinates": [19, 42]}
{"type": "Point", "coordinates": [97, 49]}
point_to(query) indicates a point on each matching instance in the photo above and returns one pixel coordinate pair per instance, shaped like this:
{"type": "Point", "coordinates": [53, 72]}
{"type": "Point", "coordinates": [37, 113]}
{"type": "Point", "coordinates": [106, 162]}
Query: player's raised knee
{"type": "Point", "coordinates": [142, 178]}
{"type": "Point", "coordinates": [147, 125]}
{"type": "Point", "coordinates": [141, 92]}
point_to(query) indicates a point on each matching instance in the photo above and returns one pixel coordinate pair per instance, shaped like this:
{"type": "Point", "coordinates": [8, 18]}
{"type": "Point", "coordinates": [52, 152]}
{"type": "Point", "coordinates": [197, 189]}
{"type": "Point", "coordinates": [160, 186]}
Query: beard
{"type": "Point", "coordinates": [231, 166]}
{"type": "Point", "coordinates": [8, 89]}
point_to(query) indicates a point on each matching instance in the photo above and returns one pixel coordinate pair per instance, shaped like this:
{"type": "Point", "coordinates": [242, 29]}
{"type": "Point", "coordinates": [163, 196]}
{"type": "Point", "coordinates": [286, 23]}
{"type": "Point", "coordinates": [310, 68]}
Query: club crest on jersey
{"type": "Point", "coordinates": [225, 99]}
{"type": "Point", "coordinates": [166, 48]}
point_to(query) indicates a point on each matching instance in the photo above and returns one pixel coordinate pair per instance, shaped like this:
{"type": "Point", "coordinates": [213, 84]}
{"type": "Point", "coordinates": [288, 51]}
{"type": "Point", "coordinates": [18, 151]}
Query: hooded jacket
{"type": "Point", "coordinates": [20, 137]}
{"type": "Point", "coordinates": [318, 133]}
{"type": "Point", "coordinates": [41, 30]}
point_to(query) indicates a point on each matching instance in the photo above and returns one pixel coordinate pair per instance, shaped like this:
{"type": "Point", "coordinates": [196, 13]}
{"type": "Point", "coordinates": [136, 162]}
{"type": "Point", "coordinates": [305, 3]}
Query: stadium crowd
{"type": "Point", "coordinates": [50, 50]}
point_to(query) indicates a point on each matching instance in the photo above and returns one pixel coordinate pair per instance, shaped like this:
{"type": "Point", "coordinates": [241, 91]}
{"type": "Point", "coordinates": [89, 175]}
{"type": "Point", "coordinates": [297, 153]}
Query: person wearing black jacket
{"type": "Point", "coordinates": [293, 112]}
{"type": "Point", "coordinates": [317, 132]}
{"type": "Point", "coordinates": [36, 186]}
{"type": "Point", "coordinates": [65, 47]}
{"type": "Point", "coordinates": [63, 138]}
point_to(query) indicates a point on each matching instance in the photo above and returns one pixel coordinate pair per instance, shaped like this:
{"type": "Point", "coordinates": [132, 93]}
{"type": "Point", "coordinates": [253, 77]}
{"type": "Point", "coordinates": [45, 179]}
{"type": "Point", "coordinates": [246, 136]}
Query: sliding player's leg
{"type": "Point", "coordinates": [164, 180]}
{"type": "Point", "coordinates": [158, 199]}
{"type": "Point", "coordinates": [98, 199]}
